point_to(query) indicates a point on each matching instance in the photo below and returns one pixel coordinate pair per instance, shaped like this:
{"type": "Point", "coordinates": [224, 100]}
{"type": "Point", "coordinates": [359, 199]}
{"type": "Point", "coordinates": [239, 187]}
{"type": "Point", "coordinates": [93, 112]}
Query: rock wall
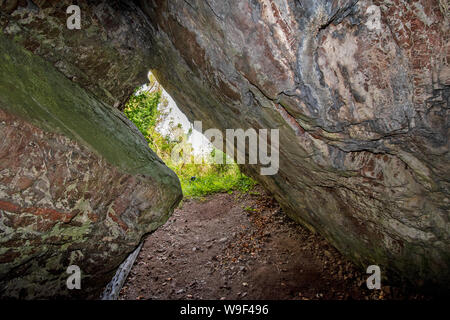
{"type": "Point", "coordinates": [360, 93]}
{"type": "Point", "coordinates": [78, 183]}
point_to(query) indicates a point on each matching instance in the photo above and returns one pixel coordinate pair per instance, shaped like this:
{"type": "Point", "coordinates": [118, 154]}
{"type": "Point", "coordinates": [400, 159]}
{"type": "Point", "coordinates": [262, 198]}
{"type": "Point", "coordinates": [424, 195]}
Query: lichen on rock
{"type": "Point", "coordinates": [358, 89]}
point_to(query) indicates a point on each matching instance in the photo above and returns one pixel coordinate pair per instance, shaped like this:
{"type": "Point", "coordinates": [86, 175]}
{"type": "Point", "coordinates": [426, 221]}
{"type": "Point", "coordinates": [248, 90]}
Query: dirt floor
{"type": "Point", "coordinates": [242, 246]}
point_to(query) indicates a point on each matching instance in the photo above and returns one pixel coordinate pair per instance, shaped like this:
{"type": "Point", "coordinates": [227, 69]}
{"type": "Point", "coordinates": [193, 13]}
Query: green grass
{"type": "Point", "coordinates": [250, 209]}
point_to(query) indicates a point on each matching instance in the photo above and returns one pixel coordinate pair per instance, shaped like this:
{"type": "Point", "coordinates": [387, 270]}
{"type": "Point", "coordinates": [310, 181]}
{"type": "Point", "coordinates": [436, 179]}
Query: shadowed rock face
{"type": "Point", "coordinates": [78, 183]}
{"type": "Point", "coordinates": [358, 89]}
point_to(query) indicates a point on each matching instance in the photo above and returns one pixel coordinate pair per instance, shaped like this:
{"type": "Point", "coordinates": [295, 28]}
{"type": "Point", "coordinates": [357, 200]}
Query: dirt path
{"type": "Point", "coordinates": [242, 247]}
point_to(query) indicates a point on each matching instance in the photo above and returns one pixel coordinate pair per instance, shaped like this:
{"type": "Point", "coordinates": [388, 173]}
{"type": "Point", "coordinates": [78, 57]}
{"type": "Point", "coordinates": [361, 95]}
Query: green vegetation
{"type": "Point", "coordinates": [197, 180]}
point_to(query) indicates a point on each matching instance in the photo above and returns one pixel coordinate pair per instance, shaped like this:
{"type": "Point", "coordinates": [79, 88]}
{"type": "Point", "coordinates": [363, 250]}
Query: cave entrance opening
{"type": "Point", "coordinates": [211, 189]}
{"type": "Point", "coordinates": [185, 150]}
{"type": "Point", "coordinates": [229, 238]}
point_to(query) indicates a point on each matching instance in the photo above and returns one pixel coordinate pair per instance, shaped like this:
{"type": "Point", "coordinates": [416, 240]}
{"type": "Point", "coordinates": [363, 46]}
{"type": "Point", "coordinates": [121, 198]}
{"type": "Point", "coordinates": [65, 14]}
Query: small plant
{"type": "Point", "coordinates": [250, 209]}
